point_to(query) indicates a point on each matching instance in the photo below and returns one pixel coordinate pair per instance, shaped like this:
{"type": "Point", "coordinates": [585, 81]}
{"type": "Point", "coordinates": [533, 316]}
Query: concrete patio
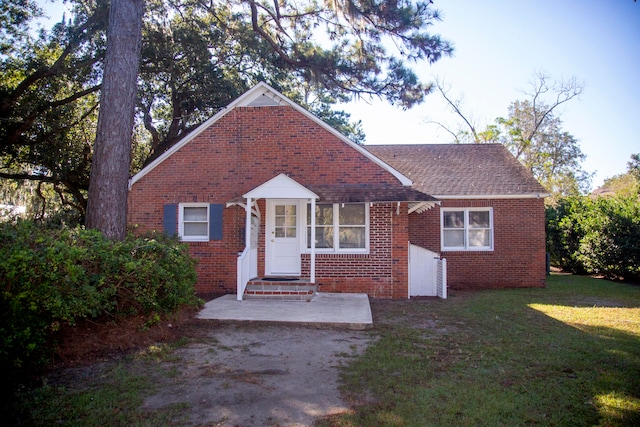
{"type": "Point", "coordinates": [329, 309]}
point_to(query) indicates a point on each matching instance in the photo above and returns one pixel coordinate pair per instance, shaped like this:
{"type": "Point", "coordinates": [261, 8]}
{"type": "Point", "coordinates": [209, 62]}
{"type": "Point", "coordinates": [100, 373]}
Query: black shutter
{"type": "Point", "coordinates": [215, 221]}
{"type": "Point", "coordinates": [170, 219]}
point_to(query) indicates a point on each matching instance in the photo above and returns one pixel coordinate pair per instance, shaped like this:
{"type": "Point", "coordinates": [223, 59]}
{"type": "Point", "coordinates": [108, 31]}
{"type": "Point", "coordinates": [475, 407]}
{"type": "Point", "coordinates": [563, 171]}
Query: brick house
{"type": "Point", "coordinates": [264, 164]}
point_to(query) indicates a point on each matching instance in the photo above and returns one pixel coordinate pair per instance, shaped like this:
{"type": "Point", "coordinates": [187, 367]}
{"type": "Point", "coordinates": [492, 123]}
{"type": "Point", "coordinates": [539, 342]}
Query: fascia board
{"type": "Point", "coordinates": [493, 196]}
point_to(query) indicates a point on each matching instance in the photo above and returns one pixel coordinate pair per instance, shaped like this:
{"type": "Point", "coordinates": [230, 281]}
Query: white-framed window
{"type": "Point", "coordinates": [466, 229]}
{"type": "Point", "coordinates": [340, 227]}
{"type": "Point", "coordinates": [194, 222]}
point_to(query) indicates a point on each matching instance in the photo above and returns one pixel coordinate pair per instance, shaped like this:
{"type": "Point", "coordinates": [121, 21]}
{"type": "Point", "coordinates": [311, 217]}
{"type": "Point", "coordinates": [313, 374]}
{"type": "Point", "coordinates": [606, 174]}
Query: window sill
{"type": "Point", "coordinates": [329, 255]}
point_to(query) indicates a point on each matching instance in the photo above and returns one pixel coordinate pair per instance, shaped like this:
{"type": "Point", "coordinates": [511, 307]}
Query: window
{"type": "Point", "coordinates": [350, 220]}
{"type": "Point", "coordinates": [467, 229]}
{"type": "Point", "coordinates": [285, 218]}
{"type": "Point", "coordinates": [194, 222]}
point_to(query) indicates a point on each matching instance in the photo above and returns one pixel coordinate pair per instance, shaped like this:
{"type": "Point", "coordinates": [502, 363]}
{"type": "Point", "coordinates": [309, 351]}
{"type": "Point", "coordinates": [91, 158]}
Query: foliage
{"type": "Point", "coordinates": [196, 58]}
{"type": "Point", "coordinates": [48, 99]}
{"type": "Point", "coordinates": [596, 236]}
{"type": "Point", "coordinates": [533, 133]}
{"type": "Point", "coordinates": [626, 184]}
{"type": "Point", "coordinates": [634, 165]}
{"type": "Point", "coordinates": [552, 155]}
{"type": "Point", "coordinates": [54, 277]}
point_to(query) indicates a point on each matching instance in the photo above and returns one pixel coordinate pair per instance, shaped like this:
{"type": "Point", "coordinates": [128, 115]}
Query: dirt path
{"type": "Point", "coordinates": [259, 375]}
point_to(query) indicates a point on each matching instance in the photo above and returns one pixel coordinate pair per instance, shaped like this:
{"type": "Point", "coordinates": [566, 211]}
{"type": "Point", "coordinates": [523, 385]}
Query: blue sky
{"type": "Point", "coordinates": [499, 45]}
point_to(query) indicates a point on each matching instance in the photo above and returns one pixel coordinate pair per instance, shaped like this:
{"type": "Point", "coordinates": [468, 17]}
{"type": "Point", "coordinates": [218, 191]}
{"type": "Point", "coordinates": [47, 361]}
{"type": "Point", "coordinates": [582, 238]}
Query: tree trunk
{"type": "Point", "coordinates": [107, 200]}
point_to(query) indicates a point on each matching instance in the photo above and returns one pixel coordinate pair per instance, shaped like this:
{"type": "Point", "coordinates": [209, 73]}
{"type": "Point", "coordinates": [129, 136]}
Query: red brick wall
{"type": "Point", "coordinates": [383, 272]}
{"type": "Point", "coordinates": [518, 258]}
{"type": "Point", "coordinates": [244, 149]}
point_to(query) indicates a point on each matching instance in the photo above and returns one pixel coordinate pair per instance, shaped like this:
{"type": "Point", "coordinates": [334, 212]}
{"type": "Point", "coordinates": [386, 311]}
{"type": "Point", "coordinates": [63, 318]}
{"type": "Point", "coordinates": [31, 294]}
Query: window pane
{"type": "Point", "coordinates": [453, 219]}
{"type": "Point", "coordinates": [290, 214]}
{"type": "Point", "coordinates": [195, 228]}
{"type": "Point", "coordinates": [352, 237]}
{"type": "Point", "coordinates": [195, 213]}
{"type": "Point", "coordinates": [479, 238]}
{"type": "Point", "coordinates": [353, 214]}
{"type": "Point", "coordinates": [479, 219]}
{"type": "Point", "coordinates": [453, 238]}
{"type": "Point", "coordinates": [285, 221]}
{"type": "Point", "coordinates": [324, 215]}
{"type": "Point", "coordinates": [324, 237]}
{"type": "Point", "coordinates": [290, 231]}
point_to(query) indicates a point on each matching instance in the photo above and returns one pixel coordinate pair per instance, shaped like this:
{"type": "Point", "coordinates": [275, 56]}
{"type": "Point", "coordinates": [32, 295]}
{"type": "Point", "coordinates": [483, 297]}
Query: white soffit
{"type": "Point", "coordinates": [420, 207]}
{"type": "Point", "coordinates": [280, 187]}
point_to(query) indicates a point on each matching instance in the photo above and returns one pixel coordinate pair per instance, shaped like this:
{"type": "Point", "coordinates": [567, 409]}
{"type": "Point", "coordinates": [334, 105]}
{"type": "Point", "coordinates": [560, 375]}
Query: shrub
{"type": "Point", "coordinates": [599, 235]}
{"type": "Point", "coordinates": [53, 277]}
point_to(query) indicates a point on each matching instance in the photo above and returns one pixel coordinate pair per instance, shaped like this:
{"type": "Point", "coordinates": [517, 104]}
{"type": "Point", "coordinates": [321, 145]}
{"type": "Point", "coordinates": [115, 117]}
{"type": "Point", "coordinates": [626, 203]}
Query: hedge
{"type": "Point", "coordinates": [52, 278]}
{"type": "Point", "coordinates": [596, 236]}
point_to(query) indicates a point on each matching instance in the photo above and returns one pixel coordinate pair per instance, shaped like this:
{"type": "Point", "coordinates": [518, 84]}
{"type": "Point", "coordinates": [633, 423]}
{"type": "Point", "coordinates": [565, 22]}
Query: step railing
{"type": "Point", "coordinates": [246, 269]}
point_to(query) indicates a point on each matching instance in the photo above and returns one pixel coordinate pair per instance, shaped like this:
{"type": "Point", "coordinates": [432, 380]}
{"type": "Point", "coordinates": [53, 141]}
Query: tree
{"type": "Point", "coordinates": [198, 56]}
{"type": "Point", "coordinates": [107, 203]}
{"type": "Point", "coordinates": [634, 165]}
{"type": "Point", "coordinates": [626, 184]}
{"type": "Point", "coordinates": [48, 99]}
{"type": "Point", "coordinates": [533, 133]}
{"type": "Point", "coordinates": [552, 155]}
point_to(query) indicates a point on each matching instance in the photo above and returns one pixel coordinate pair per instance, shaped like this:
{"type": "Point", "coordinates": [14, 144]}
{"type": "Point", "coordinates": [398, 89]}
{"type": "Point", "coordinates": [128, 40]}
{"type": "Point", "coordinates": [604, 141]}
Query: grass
{"type": "Point", "coordinates": [568, 354]}
{"type": "Point", "coordinates": [113, 398]}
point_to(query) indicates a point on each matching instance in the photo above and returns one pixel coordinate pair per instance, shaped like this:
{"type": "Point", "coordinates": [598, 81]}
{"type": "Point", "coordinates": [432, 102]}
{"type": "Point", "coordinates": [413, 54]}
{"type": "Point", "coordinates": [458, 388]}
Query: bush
{"type": "Point", "coordinates": [600, 236]}
{"type": "Point", "coordinates": [52, 278]}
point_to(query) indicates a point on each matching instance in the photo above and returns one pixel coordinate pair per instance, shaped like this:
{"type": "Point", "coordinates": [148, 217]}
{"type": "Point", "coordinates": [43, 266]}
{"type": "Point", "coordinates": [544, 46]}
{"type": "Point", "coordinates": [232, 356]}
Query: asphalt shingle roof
{"type": "Point", "coordinates": [460, 169]}
{"type": "Point", "coordinates": [367, 193]}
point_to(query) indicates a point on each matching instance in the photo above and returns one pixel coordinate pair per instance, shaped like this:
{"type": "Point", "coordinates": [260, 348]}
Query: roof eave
{"type": "Point", "coordinates": [492, 196]}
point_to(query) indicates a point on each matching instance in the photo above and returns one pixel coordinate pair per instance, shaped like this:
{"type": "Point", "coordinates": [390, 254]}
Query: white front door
{"type": "Point", "coordinates": [282, 255]}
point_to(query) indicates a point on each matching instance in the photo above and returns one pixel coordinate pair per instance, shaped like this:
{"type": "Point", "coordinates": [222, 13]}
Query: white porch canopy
{"type": "Point", "coordinates": [278, 187]}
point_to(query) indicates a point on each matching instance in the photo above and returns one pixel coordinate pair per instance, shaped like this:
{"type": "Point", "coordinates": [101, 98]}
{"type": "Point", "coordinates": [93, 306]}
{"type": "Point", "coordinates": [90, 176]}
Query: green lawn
{"type": "Point", "coordinates": [568, 354]}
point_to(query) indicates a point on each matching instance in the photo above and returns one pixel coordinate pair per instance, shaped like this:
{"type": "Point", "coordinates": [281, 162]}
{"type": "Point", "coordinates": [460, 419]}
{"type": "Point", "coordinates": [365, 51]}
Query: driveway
{"type": "Point", "coordinates": [259, 375]}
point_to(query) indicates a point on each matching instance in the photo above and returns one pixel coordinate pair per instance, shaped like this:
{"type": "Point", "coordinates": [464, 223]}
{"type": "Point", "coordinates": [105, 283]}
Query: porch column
{"type": "Point", "coordinates": [312, 256]}
{"type": "Point", "coordinates": [247, 233]}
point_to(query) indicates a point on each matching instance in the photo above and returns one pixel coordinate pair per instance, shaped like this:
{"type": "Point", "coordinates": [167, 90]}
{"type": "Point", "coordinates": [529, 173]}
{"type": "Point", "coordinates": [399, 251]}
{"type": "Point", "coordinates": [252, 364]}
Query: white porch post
{"type": "Point", "coordinates": [243, 267]}
{"type": "Point", "coordinates": [313, 242]}
{"type": "Point", "coordinates": [247, 233]}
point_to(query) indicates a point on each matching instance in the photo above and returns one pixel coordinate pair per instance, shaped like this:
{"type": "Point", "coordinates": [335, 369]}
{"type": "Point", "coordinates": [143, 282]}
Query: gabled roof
{"type": "Point", "coordinates": [461, 170]}
{"type": "Point", "coordinates": [280, 187]}
{"type": "Point", "coordinates": [262, 95]}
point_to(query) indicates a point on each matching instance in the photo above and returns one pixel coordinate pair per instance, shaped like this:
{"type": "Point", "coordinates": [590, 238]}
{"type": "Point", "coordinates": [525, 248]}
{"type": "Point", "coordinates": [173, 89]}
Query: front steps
{"type": "Point", "coordinates": [298, 289]}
